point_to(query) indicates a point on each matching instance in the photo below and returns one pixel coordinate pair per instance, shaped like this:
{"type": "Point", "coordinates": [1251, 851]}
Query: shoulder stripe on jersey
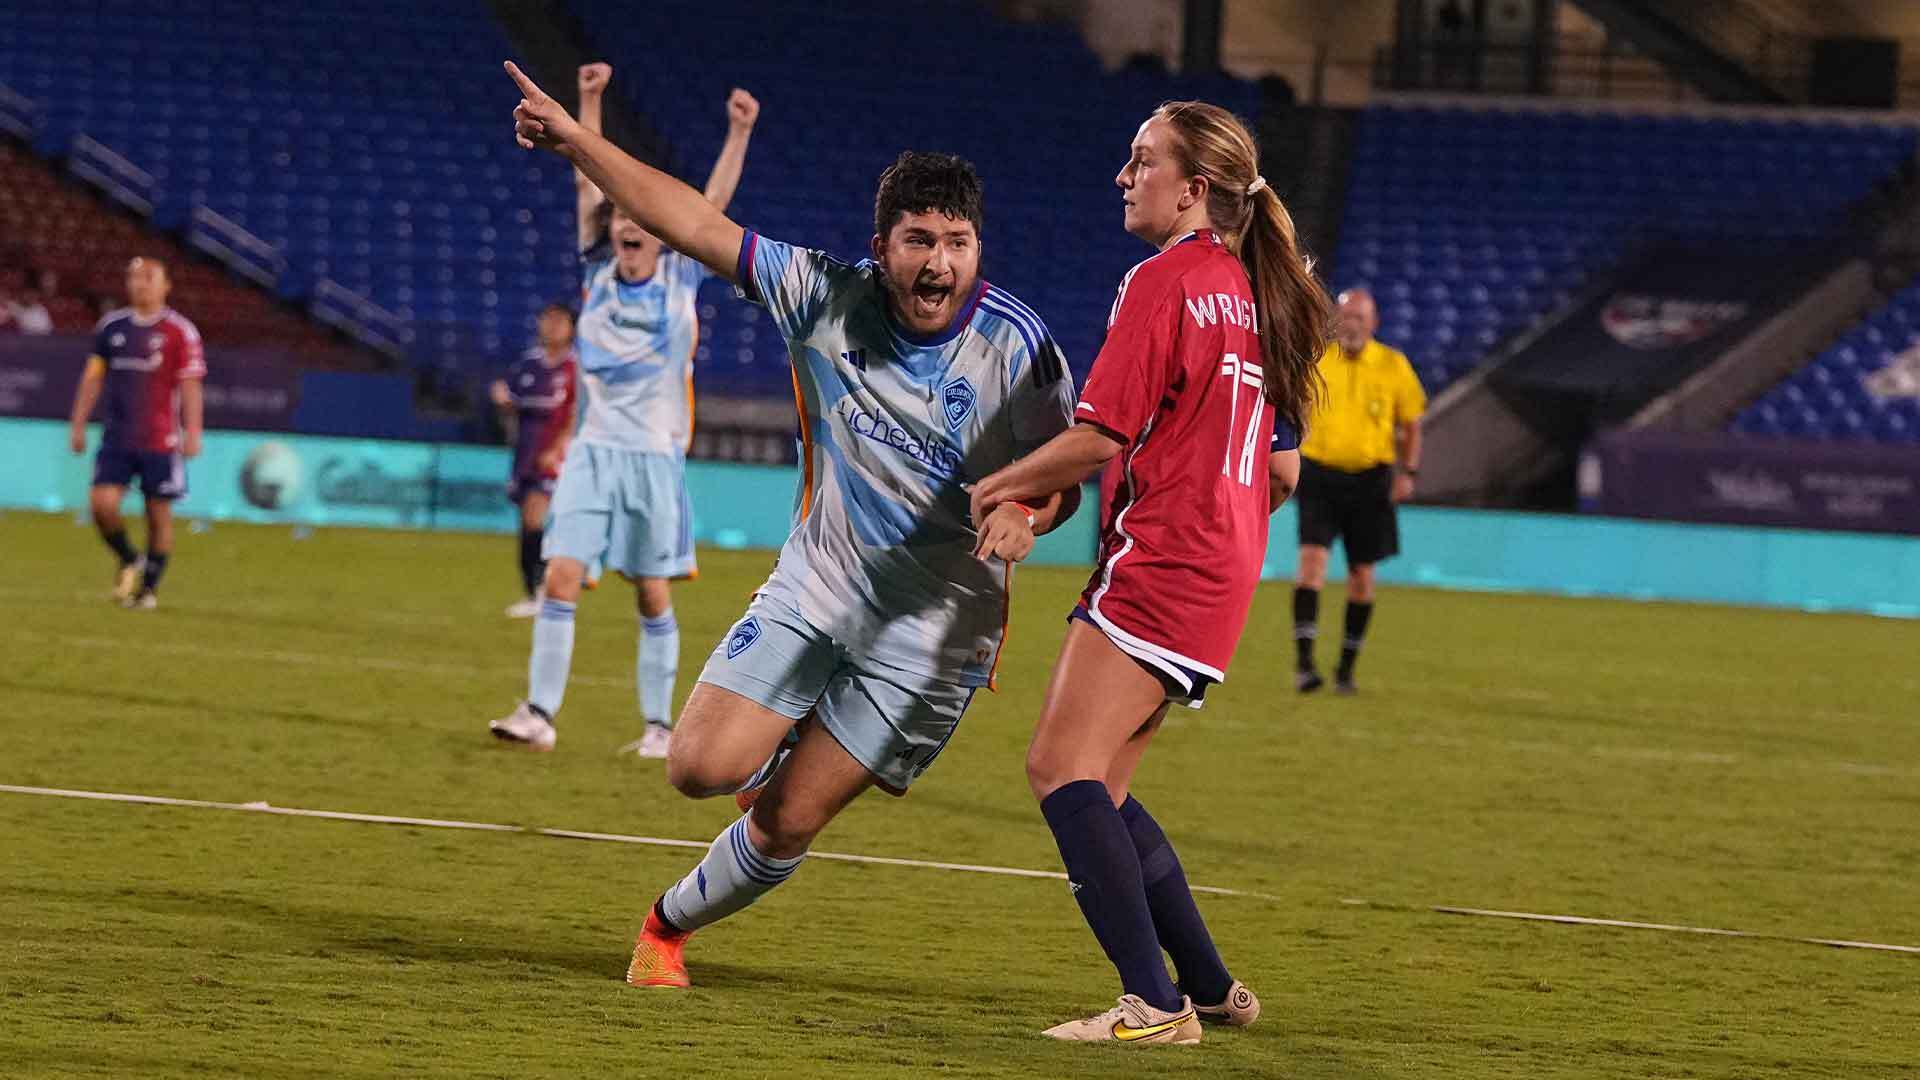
{"type": "Point", "coordinates": [116, 313]}
{"type": "Point", "coordinates": [1019, 305]}
{"type": "Point", "coordinates": [1049, 367]}
{"type": "Point", "coordinates": [1029, 328]}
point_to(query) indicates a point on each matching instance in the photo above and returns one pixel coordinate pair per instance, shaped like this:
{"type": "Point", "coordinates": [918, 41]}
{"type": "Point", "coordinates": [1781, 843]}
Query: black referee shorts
{"type": "Point", "coordinates": [1357, 507]}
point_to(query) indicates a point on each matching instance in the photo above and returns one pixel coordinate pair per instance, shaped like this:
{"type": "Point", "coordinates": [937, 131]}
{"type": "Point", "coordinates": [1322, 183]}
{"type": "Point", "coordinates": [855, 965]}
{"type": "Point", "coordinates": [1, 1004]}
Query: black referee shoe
{"type": "Point", "coordinates": [1343, 685]}
{"type": "Point", "coordinates": [1308, 681]}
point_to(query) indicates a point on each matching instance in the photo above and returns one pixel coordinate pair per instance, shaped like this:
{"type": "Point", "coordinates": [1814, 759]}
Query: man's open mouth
{"type": "Point", "coordinates": [929, 299]}
{"type": "Point", "coordinates": [630, 244]}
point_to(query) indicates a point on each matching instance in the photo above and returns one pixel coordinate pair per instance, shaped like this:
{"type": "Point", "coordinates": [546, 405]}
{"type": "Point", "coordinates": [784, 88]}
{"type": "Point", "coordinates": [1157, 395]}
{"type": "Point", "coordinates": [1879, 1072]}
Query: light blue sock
{"type": "Point", "coordinates": [733, 875]}
{"type": "Point", "coordinates": [552, 656]}
{"type": "Point", "coordinates": [656, 666]}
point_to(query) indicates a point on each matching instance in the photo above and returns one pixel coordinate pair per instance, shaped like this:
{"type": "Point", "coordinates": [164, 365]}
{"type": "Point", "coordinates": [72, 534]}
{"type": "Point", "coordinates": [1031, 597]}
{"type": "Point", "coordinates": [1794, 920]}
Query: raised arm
{"type": "Point", "coordinates": [587, 198]}
{"type": "Point", "coordinates": [742, 111]}
{"type": "Point", "coordinates": [85, 396]}
{"type": "Point", "coordinates": [662, 205]}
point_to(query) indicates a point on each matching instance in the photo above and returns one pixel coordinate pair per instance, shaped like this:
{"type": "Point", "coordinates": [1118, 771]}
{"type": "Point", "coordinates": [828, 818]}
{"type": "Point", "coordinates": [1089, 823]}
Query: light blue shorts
{"type": "Point", "coordinates": [894, 722]}
{"type": "Point", "coordinates": [625, 509]}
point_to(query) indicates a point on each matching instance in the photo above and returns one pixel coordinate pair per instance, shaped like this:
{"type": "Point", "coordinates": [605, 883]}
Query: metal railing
{"type": "Point", "coordinates": [122, 180]}
{"type": "Point", "coordinates": [241, 251]}
{"type": "Point", "coordinates": [19, 116]}
{"type": "Point", "coordinates": [359, 318]}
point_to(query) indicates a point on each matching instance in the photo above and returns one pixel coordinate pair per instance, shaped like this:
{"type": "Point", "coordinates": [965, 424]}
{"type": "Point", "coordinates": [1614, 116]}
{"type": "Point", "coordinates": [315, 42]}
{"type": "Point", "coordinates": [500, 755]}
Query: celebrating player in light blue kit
{"type": "Point", "coordinates": [887, 608]}
{"type": "Point", "coordinates": [621, 500]}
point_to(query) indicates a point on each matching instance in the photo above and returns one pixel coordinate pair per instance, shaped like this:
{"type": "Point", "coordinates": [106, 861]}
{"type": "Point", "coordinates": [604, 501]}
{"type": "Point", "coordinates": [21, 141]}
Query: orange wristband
{"type": "Point", "coordinates": [1024, 508]}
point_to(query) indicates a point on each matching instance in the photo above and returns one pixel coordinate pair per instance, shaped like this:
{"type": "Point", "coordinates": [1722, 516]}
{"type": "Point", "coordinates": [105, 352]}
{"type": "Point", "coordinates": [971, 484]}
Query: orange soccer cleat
{"type": "Point", "coordinates": [657, 959]}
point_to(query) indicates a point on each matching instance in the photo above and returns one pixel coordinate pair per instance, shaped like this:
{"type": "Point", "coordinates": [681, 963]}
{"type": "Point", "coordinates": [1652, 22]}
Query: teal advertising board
{"type": "Point", "coordinates": [273, 478]}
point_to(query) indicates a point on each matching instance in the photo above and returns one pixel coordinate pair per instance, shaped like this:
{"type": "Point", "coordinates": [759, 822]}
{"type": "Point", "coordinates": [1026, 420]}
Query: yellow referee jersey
{"type": "Point", "coordinates": [1351, 428]}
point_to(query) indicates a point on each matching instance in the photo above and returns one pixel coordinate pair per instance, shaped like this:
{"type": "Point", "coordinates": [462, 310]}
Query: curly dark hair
{"type": "Point", "coordinates": [920, 182]}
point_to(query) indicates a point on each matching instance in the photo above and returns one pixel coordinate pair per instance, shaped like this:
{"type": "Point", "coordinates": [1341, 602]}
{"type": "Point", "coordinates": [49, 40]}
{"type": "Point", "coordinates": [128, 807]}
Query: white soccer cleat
{"type": "Point", "coordinates": [652, 743]}
{"type": "Point", "coordinates": [524, 609]}
{"type": "Point", "coordinates": [126, 582]}
{"type": "Point", "coordinates": [525, 728]}
{"type": "Point", "coordinates": [1238, 1010]}
{"type": "Point", "coordinates": [146, 601]}
{"type": "Point", "coordinates": [1135, 1022]}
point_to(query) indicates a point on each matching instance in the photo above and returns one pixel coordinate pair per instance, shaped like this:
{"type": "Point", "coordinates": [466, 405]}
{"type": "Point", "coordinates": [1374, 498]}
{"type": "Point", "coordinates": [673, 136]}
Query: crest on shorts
{"type": "Point", "coordinates": [956, 399]}
{"type": "Point", "coordinates": [743, 637]}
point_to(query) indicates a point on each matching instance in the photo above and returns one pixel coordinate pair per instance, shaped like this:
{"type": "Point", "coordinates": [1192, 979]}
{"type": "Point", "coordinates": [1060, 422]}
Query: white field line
{"type": "Point", "coordinates": [564, 834]}
{"type": "Point", "coordinates": [920, 864]}
{"type": "Point", "coordinates": [1627, 924]}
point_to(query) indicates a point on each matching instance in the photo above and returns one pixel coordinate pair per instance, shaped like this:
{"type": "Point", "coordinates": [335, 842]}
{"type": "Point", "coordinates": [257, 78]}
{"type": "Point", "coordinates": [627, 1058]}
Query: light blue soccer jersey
{"type": "Point", "coordinates": [892, 426]}
{"type": "Point", "coordinates": [635, 344]}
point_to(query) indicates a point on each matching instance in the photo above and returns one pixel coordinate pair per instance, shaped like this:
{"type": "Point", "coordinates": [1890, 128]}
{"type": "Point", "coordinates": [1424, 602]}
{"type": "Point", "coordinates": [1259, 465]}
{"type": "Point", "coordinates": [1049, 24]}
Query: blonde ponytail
{"type": "Point", "coordinates": [1294, 313]}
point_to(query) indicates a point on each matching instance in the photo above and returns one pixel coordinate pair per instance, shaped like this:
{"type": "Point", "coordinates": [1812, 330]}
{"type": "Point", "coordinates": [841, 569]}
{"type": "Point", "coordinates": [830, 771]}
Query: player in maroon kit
{"type": "Point", "coordinates": [148, 360]}
{"type": "Point", "coordinates": [541, 397]}
{"type": "Point", "coordinates": [1210, 342]}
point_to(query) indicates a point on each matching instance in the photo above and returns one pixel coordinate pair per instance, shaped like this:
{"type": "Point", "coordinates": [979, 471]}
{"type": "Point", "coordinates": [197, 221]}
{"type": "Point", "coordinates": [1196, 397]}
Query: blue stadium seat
{"type": "Point", "coordinates": [1510, 211]}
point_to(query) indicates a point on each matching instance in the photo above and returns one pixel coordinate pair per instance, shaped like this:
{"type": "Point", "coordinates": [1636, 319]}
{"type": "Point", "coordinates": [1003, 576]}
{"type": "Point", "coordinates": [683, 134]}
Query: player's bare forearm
{"type": "Point", "coordinates": [742, 113]}
{"type": "Point", "coordinates": [1407, 445]}
{"type": "Point", "coordinates": [725, 178]}
{"type": "Point", "coordinates": [86, 396]}
{"type": "Point", "coordinates": [587, 198]}
{"type": "Point", "coordinates": [1054, 510]}
{"type": "Point", "coordinates": [192, 413]}
{"type": "Point", "coordinates": [1283, 477]}
{"type": "Point", "coordinates": [1061, 465]}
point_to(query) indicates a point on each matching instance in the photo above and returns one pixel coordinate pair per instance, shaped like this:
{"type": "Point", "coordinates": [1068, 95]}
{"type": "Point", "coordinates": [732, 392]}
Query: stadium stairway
{"type": "Point", "coordinates": [1865, 386]}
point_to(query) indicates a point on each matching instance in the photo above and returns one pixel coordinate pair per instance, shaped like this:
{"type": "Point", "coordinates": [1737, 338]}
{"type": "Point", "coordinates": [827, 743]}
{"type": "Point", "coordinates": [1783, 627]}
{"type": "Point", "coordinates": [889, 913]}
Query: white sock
{"type": "Point", "coordinates": [733, 875]}
{"type": "Point", "coordinates": [552, 656]}
{"type": "Point", "coordinates": [656, 666]}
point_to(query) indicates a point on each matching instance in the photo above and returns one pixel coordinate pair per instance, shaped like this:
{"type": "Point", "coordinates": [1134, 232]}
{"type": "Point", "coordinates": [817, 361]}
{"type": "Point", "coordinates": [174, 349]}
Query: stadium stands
{"type": "Point", "coordinates": [52, 226]}
{"type": "Point", "coordinates": [1046, 125]}
{"type": "Point", "coordinates": [1838, 396]}
{"type": "Point", "coordinates": [381, 161]}
{"type": "Point", "coordinates": [1471, 223]}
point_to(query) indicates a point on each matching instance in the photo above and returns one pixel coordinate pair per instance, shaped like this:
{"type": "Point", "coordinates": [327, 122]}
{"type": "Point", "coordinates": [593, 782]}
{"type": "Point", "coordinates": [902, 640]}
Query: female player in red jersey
{"type": "Point", "coordinates": [1208, 368]}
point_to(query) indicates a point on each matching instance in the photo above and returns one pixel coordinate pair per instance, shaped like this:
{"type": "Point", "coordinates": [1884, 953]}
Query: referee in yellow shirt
{"type": "Point", "coordinates": [1358, 463]}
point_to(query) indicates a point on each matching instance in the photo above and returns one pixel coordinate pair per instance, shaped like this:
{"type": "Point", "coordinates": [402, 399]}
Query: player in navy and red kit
{"type": "Point", "coordinates": [148, 361]}
{"type": "Point", "coordinates": [1208, 340]}
{"type": "Point", "coordinates": [542, 392]}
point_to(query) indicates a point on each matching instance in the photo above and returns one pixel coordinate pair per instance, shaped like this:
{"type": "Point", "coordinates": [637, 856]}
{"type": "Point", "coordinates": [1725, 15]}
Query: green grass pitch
{"type": "Point", "coordinates": [1714, 767]}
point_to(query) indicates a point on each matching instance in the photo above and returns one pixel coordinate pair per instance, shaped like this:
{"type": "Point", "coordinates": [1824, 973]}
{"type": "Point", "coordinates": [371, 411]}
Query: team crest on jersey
{"type": "Point", "coordinates": [957, 399]}
{"type": "Point", "coordinates": [743, 637]}
{"type": "Point", "coordinates": [118, 340]}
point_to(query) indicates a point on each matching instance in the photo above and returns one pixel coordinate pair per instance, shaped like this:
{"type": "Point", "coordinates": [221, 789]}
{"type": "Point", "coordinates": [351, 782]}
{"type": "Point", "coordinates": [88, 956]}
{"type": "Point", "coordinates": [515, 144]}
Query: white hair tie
{"type": "Point", "coordinates": [1259, 184]}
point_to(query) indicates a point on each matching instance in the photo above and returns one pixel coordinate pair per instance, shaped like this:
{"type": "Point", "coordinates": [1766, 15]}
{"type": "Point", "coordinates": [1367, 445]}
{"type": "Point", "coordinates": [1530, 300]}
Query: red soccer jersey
{"type": "Point", "coordinates": [1183, 508]}
{"type": "Point", "coordinates": [146, 359]}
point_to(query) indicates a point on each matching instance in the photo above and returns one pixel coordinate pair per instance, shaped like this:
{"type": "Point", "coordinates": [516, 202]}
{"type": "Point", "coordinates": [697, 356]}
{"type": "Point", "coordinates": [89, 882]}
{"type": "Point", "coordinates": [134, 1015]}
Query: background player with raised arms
{"type": "Point", "coordinates": [887, 608]}
{"type": "Point", "coordinates": [621, 499]}
{"type": "Point", "coordinates": [538, 399]}
{"type": "Point", "coordinates": [1208, 340]}
{"type": "Point", "coordinates": [148, 361]}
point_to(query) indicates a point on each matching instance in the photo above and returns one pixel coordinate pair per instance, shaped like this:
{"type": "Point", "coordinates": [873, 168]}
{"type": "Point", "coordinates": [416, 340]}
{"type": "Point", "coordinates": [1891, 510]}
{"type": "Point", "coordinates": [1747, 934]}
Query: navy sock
{"type": "Point", "coordinates": [1104, 872]}
{"type": "Point", "coordinates": [117, 540]}
{"type": "Point", "coordinates": [1358, 615]}
{"type": "Point", "coordinates": [1176, 919]}
{"type": "Point", "coordinates": [156, 566]}
{"type": "Point", "coordinates": [531, 568]}
{"type": "Point", "coordinates": [1306, 625]}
